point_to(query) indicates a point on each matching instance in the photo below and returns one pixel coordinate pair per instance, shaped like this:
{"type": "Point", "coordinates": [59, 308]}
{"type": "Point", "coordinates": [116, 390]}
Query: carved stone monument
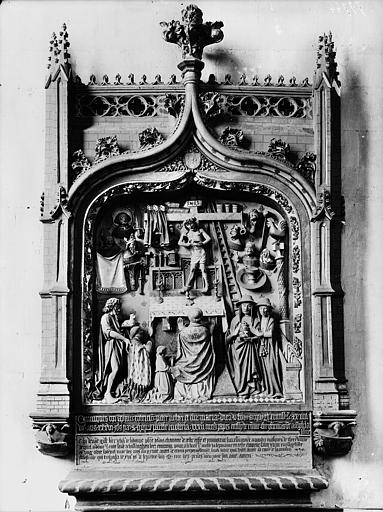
{"type": "Point", "coordinates": [192, 308]}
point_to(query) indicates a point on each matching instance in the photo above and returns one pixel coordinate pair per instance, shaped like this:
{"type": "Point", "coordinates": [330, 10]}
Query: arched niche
{"type": "Point", "coordinates": [220, 201]}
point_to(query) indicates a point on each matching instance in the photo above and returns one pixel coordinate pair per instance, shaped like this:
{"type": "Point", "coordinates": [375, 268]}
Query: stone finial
{"type": "Point", "coordinates": [326, 56]}
{"type": "Point", "coordinates": [242, 79]}
{"type": "Point", "coordinates": [58, 48]}
{"type": "Point", "coordinates": [172, 80]}
{"type": "Point", "coordinates": [117, 80]}
{"type": "Point", "coordinates": [192, 34]}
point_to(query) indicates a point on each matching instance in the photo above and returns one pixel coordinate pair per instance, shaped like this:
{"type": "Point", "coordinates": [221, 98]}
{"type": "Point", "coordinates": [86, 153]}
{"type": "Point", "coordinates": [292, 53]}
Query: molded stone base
{"type": "Point", "coordinates": [115, 490]}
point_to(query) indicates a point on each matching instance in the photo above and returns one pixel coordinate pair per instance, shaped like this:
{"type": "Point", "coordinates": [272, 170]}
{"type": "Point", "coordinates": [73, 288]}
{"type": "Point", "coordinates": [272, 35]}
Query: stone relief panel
{"type": "Point", "coordinates": [192, 298]}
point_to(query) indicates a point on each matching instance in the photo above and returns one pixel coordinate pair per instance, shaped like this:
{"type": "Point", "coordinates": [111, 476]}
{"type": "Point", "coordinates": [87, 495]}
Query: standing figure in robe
{"type": "Point", "coordinates": [194, 365]}
{"type": "Point", "coordinates": [268, 350]}
{"type": "Point", "coordinates": [112, 353]}
{"type": "Point", "coordinates": [196, 239]}
{"type": "Point", "coordinates": [242, 350]}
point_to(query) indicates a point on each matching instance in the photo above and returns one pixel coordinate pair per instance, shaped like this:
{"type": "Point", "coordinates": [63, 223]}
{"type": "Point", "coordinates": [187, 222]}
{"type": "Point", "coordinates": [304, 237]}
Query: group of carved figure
{"type": "Point", "coordinates": [253, 350]}
{"type": "Point", "coordinates": [124, 357]}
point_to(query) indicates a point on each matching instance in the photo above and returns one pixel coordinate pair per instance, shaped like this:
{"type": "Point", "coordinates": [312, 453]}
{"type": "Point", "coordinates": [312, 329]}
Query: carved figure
{"type": "Point", "coordinates": [194, 365]}
{"type": "Point", "coordinates": [54, 439]}
{"type": "Point", "coordinates": [256, 222]}
{"type": "Point", "coordinates": [277, 232]}
{"type": "Point", "coordinates": [196, 239]}
{"type": "Point", "coordinates": [266, 260]}
{"type": "Point", "coordinates": [119, 267]}
{"type": "Point", "coordinates": [235, 239]}
{"type": "Point", "coordinates": [163, 385]}
{"type": "Point", "coordinates": [250, 276]}
{"type": "Point", "coordinates": [265, 330]}
{"type": "Point", "coordinates": [140, 373]}
{"type": "Point", "coordinates": [123, 228]}
{"type": "Point", "coordinates": [112, 352]}
{"type": "Point", "coordinates": [242, 349]}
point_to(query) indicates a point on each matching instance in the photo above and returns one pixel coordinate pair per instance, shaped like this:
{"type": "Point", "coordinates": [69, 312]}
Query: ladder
{"type": "Point", "coordinates": [227, 265]}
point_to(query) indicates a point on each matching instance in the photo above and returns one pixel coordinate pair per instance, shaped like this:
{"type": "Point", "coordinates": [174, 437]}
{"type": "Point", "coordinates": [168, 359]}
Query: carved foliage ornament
{"type": "Point", "coordinates": [105, 148]}
{"type": "Point", "coordinates": [61, 203]}
{"type": "Point", "coordinates": [192, 34]}
{"type": "Point", "coordinates": [80, 163]}
{"type": "Point", "coordinates": [306, 166]}
{"type": "Point", "coordinates": [232, 137]}
{"type": "Point", "coordinates": [149, 138]}
{"type": "Point", "coordinates": [323, 207]}
{"type": "Point", "coordinates": [279, 149]}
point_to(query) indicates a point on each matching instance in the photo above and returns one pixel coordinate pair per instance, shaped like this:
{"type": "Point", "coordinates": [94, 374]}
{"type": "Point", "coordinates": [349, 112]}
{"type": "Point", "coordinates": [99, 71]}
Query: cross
{"type": "Point", "coordinates": [204, 216]}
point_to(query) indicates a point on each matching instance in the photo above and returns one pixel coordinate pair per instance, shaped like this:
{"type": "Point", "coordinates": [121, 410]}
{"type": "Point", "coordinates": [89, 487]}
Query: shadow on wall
{"type": "Point", "coordinates": [354, 126]}
{"type": "Point", "coordinates": [355, 169]}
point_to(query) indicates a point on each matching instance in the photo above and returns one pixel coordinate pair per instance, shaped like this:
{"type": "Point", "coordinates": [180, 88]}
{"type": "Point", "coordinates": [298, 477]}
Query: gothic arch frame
{"type": "Point", "coordinates": [307, 192]}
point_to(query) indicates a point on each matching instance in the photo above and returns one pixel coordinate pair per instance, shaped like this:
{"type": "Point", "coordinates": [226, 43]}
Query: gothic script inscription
{"type": "Point", "coordinates": [240, 439]}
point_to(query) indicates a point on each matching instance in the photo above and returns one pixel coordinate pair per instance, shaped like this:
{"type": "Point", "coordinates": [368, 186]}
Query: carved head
{"type": "Point", "coordinates": [161, 349]}
{"type": "Point", "coordinates": [191, 223]}
{"type": "Point", "coordinates": [250, 249]}
{"type": "Point", "coordinates": [255, 216]}
{"type": "Point", "coordinates": [112, 304]}
{"type": "Point", "coordinates": [264, 306]}
{"type": "Point", "coordinates": [122, 219]}
{"type": "Point", "coordinates": [136, 333]}
{"type": "Point", "coordinates": [235, 232]}
{"type": "Point", "coordinates": [195, 315]}
{"type": "Point", "coordinates": [246, 308]}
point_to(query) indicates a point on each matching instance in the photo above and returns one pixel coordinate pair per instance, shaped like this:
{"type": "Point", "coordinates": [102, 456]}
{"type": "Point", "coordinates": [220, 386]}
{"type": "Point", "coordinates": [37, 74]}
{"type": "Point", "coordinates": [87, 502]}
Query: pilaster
{"type": "Point", "coordinates": [325, 227]}
{"type": "Point", "coordinates": [52, 408]}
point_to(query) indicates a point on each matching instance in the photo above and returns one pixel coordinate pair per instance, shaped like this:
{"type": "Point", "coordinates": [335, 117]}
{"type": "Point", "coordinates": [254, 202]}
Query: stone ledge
{"type": "Point", "coordinates": [117, 481]}
{"type": "Point", "coordinates": [117, 490]}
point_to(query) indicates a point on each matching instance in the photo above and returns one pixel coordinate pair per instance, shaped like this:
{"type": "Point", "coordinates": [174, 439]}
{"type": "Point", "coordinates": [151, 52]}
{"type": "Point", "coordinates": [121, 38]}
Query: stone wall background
{"type": "Point", "coordinates": [261, 37]}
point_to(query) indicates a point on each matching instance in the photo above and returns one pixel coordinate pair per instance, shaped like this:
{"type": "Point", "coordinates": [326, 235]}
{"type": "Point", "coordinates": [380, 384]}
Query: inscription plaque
{"type": "Point", "coordinates": [261, 440]}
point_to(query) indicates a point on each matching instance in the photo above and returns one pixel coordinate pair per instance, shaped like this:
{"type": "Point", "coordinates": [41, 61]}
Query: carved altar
{"type": "Point", "coordinates": [190, 296]}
